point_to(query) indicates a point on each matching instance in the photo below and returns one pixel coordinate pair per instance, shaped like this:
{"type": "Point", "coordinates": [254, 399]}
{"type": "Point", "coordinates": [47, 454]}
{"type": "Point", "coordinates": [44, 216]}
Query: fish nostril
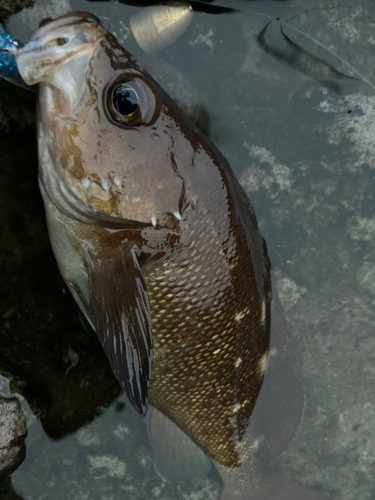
{"type": "Point", "coordinates": [62, 41]}
{"type": "Point", "coordinates": [56, 42]}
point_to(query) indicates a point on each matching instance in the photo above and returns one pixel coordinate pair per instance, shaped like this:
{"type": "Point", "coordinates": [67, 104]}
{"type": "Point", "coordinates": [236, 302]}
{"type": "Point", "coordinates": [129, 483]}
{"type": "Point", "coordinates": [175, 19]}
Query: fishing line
{"type": "Point", "coordinates": [320, 8]}
{"type": "Point", "coordinates": [362, 78]}
{"type": "Point", "coordinates": [112, 13]}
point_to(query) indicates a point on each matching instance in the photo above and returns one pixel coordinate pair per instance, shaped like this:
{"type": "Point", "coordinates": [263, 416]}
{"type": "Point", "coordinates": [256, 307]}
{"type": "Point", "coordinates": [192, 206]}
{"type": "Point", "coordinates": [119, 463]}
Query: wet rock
{"type": "Point", "coordinates": [7, 492]}
{"type": "Point", "coordinates": [356, 439]}
{"type": "Point", "coordinates": [54, 363]}
{"type": "Point", "coordinates": [17, 106]}
{"type": "Point", "coordinates": [9, 7]}
{"type": "Point", "coordinates": [107, 465]}
{"type": "Point", "coordinates": [44, 9]}
{"type": "Point", "coordinates": [12, 435]}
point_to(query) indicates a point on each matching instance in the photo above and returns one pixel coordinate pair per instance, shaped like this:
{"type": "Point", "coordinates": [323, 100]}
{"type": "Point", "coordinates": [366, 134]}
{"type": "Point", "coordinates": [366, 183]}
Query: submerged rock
{"type": "Point", "coordinates": [9, 7]}
{"type": "Point", "coordinates": [7, 492]}
{"type": "Point", "coordinates": [12, 436]}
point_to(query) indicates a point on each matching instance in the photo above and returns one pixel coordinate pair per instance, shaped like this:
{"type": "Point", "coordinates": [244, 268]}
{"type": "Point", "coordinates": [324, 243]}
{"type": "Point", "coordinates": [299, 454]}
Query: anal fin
{"type": "Point", "coordinates": [177, 457]}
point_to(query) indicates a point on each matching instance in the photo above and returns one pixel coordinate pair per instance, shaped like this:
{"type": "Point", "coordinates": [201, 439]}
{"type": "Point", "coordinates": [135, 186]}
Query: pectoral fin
{"type": "Point", "coordinates": [120, 313]}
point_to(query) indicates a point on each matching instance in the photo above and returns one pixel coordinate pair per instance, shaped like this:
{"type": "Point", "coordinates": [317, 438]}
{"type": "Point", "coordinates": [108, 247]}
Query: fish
{"type": "Point", "coordinates": [160, 247]}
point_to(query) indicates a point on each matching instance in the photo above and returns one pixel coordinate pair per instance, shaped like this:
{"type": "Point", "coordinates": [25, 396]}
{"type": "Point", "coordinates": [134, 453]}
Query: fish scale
{"type": "Point", "coordinates": [198, 341]}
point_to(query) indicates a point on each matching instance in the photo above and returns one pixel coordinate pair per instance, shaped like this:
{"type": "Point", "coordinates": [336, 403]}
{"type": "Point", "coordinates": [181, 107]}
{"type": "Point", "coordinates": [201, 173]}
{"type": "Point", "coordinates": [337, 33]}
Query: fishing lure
{"type": "Point", "coordinates": [8, 66]}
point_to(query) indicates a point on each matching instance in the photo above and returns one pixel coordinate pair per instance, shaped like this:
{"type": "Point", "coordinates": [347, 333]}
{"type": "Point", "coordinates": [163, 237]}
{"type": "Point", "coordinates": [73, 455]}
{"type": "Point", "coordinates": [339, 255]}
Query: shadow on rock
{"type": "Point", "coordinates": [7, 492]}
{"type": "Point", "coordinates": [51, 360]}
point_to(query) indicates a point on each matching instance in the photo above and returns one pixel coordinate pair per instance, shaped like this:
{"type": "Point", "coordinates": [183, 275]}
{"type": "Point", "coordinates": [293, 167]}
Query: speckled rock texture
{"type": "Point", "coordinates": [12, 435]}
{"type": "Point", "coordinates": [9, 7]}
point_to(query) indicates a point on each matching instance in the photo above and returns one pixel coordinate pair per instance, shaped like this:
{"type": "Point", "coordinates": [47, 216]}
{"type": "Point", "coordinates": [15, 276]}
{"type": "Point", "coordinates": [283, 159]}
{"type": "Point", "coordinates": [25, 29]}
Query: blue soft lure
{"type": "Point", "coordinates": [8, 64]}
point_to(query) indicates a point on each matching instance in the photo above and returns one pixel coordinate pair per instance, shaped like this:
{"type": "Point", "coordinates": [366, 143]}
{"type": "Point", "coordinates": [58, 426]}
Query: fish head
{"type": "Point", "coordinates": [112, 135]}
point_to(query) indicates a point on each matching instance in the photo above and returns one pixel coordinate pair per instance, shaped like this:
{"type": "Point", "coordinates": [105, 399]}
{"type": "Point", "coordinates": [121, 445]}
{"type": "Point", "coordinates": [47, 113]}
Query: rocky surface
{"type": "Point", "coordinates": [17, 106]}
{"type": "Point", "coordinates": [9, 7]}
{"type": "Point", "coordinates": [7, 492]}
{"type": "Point", "coordinates": [301, 140]}
{"type": "Point", "coordinates": [12, 436]}
{"type": "Point", "coordinates": [42, 343]}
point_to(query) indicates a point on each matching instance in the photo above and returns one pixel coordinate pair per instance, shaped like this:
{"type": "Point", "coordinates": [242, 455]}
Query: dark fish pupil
{"type": "Point", "coordinates": [125, 100]}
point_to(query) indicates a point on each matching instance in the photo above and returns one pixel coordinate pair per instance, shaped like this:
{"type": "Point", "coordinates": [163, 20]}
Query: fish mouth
{"type": "Point", "coordinates": [68, 203]}
{"type": "Point", "coordinates": [60, 50]}
{"type": "Point", "coordinates": [35, 62]}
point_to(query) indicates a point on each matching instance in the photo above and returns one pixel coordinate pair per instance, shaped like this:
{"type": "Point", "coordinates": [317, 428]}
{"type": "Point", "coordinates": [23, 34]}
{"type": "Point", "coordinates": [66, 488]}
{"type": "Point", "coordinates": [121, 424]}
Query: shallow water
{"type": "Point", "coordinates": [296, 121]}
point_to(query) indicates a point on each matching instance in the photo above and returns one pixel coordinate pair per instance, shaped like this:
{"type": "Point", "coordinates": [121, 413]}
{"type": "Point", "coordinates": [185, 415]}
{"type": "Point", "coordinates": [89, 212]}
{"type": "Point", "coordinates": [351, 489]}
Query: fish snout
{"type": "Point", "coordinates": [56, 44]}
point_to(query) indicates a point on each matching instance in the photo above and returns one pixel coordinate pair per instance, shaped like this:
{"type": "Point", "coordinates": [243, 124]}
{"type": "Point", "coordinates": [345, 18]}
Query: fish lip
{"type": "Point", "coordinates": [43, 55]}
{"type": "Point", "coordinates": [34, 61]}
{"type": "Point", "coordinates": [68, 203]}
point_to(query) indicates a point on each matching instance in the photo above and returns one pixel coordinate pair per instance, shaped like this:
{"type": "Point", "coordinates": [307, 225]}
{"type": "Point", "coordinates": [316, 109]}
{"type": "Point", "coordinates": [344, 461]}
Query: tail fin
{"type": "Point", "coordinates": [279, 407]}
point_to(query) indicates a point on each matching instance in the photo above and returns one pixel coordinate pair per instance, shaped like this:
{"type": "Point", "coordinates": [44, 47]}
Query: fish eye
{"type": "Point", "coordinates": [125, 101]}
{"type": "Point", "coordinates": [131, 101]}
